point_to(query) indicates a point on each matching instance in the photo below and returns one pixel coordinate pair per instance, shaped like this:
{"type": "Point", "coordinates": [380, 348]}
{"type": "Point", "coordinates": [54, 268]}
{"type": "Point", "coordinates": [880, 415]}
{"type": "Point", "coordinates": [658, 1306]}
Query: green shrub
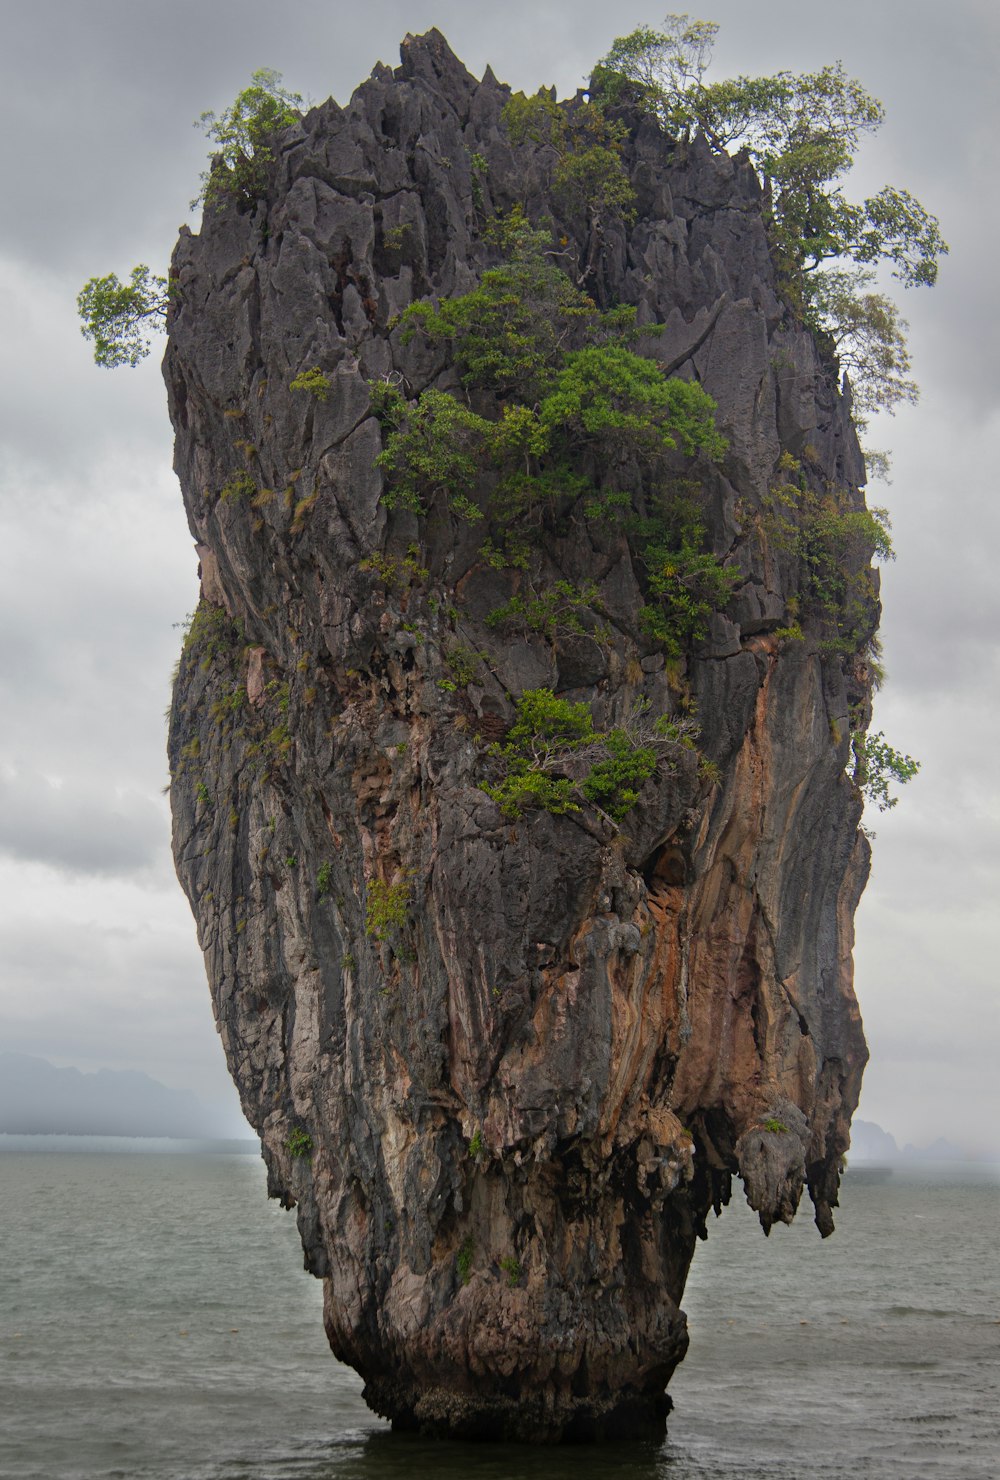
{"type": "Point", "coordinates": [613, 784]}
{"type": "Point", "coordinates": [464, 1258]}
{"type": "Point", "coordinates": [299, 1142]}
{"type": "Point", "coordinates": [435, 445]}
{"type": "Point", "coordinates": [119, 317]}
{"type": "Point", "coordinates": [512, 553]}
{"type": "Point", "coordinates": [589, 176]}
{"type": "Point", "coordinates": [547, 731]}
{"type": "Point", "coordinates": [525, 787]}
{"type": "Point", "coordinates": [395, 237]}
{"type": "Point", "coordinates": [225, 709]}
{"type": "Point", "coordinates": [554, 614]}
{"type": "Point", "coordinates": [395, 571]}
{"type": "Point", "coordinates": [211, 634]}
{"type": "Point", "coordinates": [572, 401]}
{"type": "Point", "coordinates": [313, 381]}
{"type": "Point", "coordinates": [240, 485]}
{"type": "Point", "coordinates": [463, 662]}
{"type": "Point", "coordinates": [387, 908]}
{"type": "Point", "coordinates": [833, 544]}
{"type": "Point", "coordinates": [688, 585]}
{"type": "Point", "coordinates": [509, 333]}
{"type": "Point", "coordinates": [279, 740]}
{"type": "Point", "coordinates": [623, 404]}
{"type": "Point", "coordinates": [801, 131]}
{"type": "Point", "coordinates": [552, 736]}
{"type": "Point", "coordinates": [512, 1269]}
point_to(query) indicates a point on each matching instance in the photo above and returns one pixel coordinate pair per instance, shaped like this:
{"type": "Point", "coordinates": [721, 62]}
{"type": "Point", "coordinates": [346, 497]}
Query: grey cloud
{"type": "Point", "coordinates": [96, 561]}
{"type": "Point", "coordinates": [126, 990]}
{"type": "Point", "coordinates": [947, 861]}
{"type": "Point", "coordinates": [81, 829]}
{"type": "Point", "coordinates": [920, 1044]}
{"type": "Point", "coordinates": [58, 412]}
{"type": "Point", "coordinates": [937, 644]}
{"type": "Point", "coordinates": [942, 599]}
{"type": "Point", "coordinates": [93, 575]}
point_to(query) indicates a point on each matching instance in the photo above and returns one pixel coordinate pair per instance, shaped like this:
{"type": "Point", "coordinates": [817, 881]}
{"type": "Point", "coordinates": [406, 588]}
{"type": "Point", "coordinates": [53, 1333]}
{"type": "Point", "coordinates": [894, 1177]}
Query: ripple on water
{"type": "Point", "coordinates": [156, 1324]}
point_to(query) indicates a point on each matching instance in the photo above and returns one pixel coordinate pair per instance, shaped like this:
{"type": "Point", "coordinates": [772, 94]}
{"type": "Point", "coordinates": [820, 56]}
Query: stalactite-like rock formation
{"type": "Point", "coordinates": [503, 1068]}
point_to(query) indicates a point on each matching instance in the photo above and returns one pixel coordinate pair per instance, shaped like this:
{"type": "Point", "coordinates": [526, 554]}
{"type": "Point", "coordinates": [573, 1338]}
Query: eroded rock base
{"type": "Point", "coordinates": [534, 1418]}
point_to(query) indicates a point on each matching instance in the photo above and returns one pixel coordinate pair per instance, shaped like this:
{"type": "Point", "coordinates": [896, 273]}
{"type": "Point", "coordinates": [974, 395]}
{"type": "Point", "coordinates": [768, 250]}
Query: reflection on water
{"type": "Point", "coordinates": [395, 1456]}
{"type": "Point", "coordinates": [382, 1455]}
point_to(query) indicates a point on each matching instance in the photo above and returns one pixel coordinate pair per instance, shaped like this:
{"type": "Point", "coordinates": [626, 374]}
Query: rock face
{"type": "Point", "coordinates": [502, 1068]}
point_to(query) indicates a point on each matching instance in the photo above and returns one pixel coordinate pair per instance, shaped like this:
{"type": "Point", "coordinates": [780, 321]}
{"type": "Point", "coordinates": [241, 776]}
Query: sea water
{"type": "Point", "coordinates": [156, 1324]}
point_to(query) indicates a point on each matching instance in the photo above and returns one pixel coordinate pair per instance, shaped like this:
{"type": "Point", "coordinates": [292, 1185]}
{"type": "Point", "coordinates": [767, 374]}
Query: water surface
{"type": "Point", "coordinates": [156, 1324]}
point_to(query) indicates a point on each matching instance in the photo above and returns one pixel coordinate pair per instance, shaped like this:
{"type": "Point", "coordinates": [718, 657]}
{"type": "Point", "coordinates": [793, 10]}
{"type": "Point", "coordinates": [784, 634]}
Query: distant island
{"type": "Point", "coordinates": [871, 1145]}
{"type": "Point", "coordinates": [36, 1098]}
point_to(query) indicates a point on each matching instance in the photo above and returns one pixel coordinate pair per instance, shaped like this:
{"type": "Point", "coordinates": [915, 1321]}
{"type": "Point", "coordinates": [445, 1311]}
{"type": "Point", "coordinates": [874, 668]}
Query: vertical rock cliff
{"type": "Point", "coordinates": [504, 1066]}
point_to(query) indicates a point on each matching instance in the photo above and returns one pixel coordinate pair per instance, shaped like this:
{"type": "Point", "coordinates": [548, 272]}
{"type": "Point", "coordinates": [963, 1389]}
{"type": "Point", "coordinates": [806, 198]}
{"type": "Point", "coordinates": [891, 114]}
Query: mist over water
{"type": "Point", "coordinates": [156, 1324]}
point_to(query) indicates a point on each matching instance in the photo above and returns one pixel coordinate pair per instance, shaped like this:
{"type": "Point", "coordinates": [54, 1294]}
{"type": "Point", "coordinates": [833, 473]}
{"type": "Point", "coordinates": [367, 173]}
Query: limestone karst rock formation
{"type": "Point", "coordinates": [504, 1067]}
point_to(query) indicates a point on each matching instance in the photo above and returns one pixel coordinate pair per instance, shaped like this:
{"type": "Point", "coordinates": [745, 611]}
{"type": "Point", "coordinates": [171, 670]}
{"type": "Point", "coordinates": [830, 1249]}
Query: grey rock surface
{"type": "Point", "coordinates": [525, 1091]}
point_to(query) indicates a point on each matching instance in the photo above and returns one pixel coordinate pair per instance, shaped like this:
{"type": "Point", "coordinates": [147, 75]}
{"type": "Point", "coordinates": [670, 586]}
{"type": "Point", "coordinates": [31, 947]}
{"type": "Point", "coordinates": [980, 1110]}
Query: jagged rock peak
{"type": "Point", "coordinates": [429, 58]}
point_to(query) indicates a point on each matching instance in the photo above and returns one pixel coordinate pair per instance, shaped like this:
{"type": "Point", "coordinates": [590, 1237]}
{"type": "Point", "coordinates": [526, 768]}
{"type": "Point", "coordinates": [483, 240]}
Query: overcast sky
{"type": "Point", "coordinates": [97, 97]}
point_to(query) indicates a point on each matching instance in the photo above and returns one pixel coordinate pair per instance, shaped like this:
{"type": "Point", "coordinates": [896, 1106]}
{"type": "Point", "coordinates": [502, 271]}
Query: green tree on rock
{"type": "Point", "coordinates": [801, 132]}
{"type": "Point", "coordinates": [243, 134]}
{"type": "Point", "coordinates": [554, 385]}
{"type": "Point", "coordinates": [120, 317]}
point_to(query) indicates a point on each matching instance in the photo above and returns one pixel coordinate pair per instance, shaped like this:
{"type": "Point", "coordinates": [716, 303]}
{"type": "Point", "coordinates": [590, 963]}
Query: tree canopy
{"type": "Point", "coordinates": [589, 177]}
{"type": "Point", "coordinates": [243, 134]}
{"type": "Point", "coordinates": [119, 317]}
{"type": "Point", "coordinates": [802, 133]}
{"type": "Point", "coordinates": [560, 383]}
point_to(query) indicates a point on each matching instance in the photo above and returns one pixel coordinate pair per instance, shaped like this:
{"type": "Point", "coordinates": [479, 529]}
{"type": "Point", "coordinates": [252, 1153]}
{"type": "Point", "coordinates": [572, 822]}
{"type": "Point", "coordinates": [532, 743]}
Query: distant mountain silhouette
{"type": "Point", "coordinates": [36, 1098]}
{"type": "Point", "coordinates": [870, 1143]}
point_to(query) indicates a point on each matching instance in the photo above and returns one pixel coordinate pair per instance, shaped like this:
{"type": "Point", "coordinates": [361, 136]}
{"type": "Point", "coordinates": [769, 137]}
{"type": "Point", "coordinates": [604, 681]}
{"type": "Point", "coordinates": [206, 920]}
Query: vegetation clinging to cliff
{"type": "Point", "coordinates": [876, 765]}
{"type": "Point", "coordinates": [801, 133]}
{"type": "Point", "coordinates": [243, 133]}
{"type": "Point", "coordinates": [565, 415]}
{"type": "Point", "coordinates": [561, 375]}
{"type": "Point", "coordinates": [560, 413]}
{"type": "Point", "coordinates": [120, 317]}
{"type": "Point", "coordinates": [590, 175]}
{"type": "Point", "coordinates": [609, 767]}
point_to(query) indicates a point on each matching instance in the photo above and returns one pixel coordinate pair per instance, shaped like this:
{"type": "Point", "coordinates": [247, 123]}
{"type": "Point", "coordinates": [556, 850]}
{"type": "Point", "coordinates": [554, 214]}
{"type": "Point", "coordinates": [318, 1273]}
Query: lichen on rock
{"type": "Point", "coordinates": [526, 1053]}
